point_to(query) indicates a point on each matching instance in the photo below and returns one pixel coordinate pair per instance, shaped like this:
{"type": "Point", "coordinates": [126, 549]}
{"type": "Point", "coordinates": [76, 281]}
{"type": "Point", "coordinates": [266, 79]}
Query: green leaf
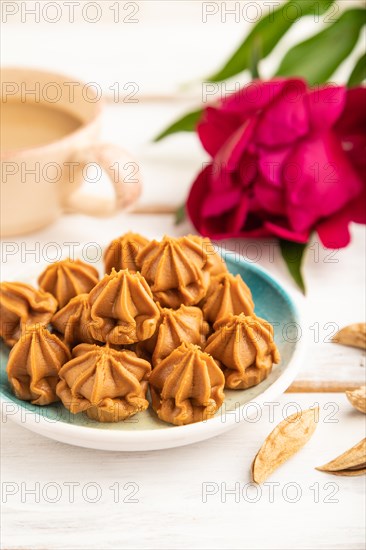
{"type": "Point", "coordinates": [317, 58]}
{"type": "Point", "coordinates": [254, 61]}
{"type": "Point", "coordinates": [180, 214]}
{"type": "Point", "coordinates": [358, 74]}
{"type": "Point", "coordinates": [267, 33]}
{"type": "Point", "coordinates": [185, 124]}
{"type": "Point", "coordinates": [293, 254]}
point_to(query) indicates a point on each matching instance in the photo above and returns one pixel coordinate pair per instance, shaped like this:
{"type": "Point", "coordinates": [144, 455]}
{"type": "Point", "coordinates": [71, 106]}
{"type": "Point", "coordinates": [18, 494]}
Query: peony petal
{"type": "Point", "coordinates": [248, 169]}
{"type": "Point", "coordinates": [217, 233]}
{"type": "Point", "coordinates": [233, 149]}
{"type": "Point", "coordinates": [334, 231]}
{"type": "Point", "coordinates": [351, 129]}
{"type": "Point", "coordinates": [353, 118]}
{"type": "Point", "coordinates": [239, 215]}
{"type": "Point", "coordinates": [215, 127]}
{"type": "Point", "coordinates": [319, 181]}
{"type": "Point", "coordinates": [271, 163]}
{"type": "Point", "coordinates": [354, 147]}
{"type": "Point", "coordinates": [200, 195]}
{"type": "Point", "coordinates": [199, 190]}
{"type": "Point", "coordinates": [256, 96]}
{"type": "Point", "coordinates": [219, 123]}
{"type": "Point", "coordinates": [325, 106]}
{"type": "Point", "coordinates": [269, 198]}
{"type": "Point", "coordinates": [286, 233]}
{"type": "Point", "coordinates": [286, 118]}
{"type": "Point", "coordinates": [219, 203]}
{"type": "Point", "coordinates": [258, 233]}
{"type": "Point", "coordinates": [357, 207]}
{"type": "Point", "coordinates": [222, 180]}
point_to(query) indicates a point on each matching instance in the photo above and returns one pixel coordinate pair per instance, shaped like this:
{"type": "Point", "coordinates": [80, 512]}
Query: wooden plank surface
{"type": "Point", "coordinates": [181, 497]}
{"type": "Point", "coordinates": [304, 386]}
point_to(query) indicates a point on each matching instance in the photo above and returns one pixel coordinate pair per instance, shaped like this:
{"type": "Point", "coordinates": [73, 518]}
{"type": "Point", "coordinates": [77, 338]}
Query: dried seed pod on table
{"type": "Point", "coordinates": [352, 335]}
{"type": "Point", "coordinates": [288, 437]}
{"type": "Point", "coordinates": [351, 463]}
{"type": "Point", "coordinates": [357, 398]}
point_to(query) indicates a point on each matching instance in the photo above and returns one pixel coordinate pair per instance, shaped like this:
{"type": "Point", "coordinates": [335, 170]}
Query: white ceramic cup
{"type": "Point", "coordinates": [30, 197]}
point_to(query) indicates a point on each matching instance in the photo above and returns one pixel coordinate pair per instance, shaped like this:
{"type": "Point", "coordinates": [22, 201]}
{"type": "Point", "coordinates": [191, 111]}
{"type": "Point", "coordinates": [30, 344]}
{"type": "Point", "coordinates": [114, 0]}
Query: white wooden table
{"type": "Point", "coordinates": [181, 498]}
{"type": "Point", "coordinates": [197, 497]}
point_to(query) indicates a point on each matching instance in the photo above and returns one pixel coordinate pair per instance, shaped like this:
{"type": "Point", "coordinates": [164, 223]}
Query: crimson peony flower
{"type": "Point", "coordinates": [287, 160]}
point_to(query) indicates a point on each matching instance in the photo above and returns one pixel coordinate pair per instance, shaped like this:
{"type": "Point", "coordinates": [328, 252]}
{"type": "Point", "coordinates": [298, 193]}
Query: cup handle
{"type": "Point", "coordinates": [123, 173]}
